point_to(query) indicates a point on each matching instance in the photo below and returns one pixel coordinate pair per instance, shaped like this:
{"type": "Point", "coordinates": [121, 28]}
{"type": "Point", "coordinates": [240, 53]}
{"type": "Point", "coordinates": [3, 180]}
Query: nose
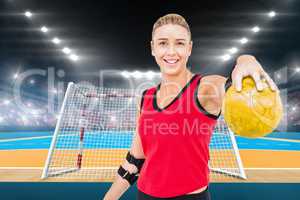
{"type": "Point", "coordinates": [171, 50]}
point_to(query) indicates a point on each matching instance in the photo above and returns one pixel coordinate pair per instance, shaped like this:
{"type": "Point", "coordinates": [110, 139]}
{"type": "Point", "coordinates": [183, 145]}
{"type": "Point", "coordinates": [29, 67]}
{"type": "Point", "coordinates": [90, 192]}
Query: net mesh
{"type": "Point", "coordinates": [95, 131]}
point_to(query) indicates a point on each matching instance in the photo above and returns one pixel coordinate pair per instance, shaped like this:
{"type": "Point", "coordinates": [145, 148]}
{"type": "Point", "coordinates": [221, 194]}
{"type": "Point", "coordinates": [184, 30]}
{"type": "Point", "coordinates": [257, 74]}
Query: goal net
{"type": "Point", "coordinates": [95, 129]}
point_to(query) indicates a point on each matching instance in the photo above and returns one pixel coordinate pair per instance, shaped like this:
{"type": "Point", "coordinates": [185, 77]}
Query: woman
{"type": "Point", "coordinates": [169, 156]}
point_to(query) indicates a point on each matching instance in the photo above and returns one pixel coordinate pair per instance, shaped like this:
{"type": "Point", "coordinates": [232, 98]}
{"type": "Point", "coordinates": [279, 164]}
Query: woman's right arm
{"type": "Point", "coordinates": [120, 185]}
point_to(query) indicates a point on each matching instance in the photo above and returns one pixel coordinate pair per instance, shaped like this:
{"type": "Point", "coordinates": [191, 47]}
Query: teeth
{"type": "Point", "coordinates": [171, 61]}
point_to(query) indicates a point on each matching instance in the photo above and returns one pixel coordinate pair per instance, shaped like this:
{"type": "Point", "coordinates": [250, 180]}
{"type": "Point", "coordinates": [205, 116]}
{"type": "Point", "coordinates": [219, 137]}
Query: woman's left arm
{"type": "Point", "coordinates": [212, 92]}
{"type": "Point", "coordinates": [247, 65]}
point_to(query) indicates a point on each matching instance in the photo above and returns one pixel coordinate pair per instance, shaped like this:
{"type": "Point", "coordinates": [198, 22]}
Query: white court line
{"type": "Point", "coordinates": [21, 168]}
{"type": "Point", "coordinates": [275, 150]}
{"type": "Point", "coordinates": [280, 139]}
{"type": "Point", "coordinates": [26, 138]}
{"type": "Point", "coordinates": [34, 138]}
{"type": "Point", "coordinates": [25, 149]}
{"type": "Point", "coordinates": [61, 167]}
{"type": "Point", "coordinates": [261, 168]}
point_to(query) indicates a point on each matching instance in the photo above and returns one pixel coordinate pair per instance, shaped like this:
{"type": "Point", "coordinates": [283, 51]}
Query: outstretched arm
{"type": "Point", "coordinates": [212, 88]}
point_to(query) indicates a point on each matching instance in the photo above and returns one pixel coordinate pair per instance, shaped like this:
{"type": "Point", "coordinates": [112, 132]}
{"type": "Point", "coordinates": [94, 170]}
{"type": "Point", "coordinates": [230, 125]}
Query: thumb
{"type": "Point", "coordinates": [237, 81]}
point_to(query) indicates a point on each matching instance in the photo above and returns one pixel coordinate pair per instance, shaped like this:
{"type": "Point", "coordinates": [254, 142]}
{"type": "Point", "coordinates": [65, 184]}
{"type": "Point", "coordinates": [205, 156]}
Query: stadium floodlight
{"type": "Point", "coordinates": [44, 29]}
{"type": "Point", "coordinates": [24, 118]}
{"type": "Point", "coordinates": [16, 75]}
{"type": "Point", "coordinates": [137, 74]}
{"type": "Point", "coordinates": [150, 74]}
{"type": "Point", "coordinates": [6, 102]}
{"type": "Point", "coordinates": [32, 81]}
{"type": "Point", "coordinates": [297, 70]}
{"type": "Point", "coordinates": [255, 29]}
{"type": "Point", "coordinates": [233, 50]}
{"type": "Point", "coordinates": [243, 40]}
{"type": "Point", "coordinates": [226, 57]}
{"type": "Point", "coordinates": [73, 57]}
{"type": "Point", "coordinates": [66, 50]}
{"type": "Point", "coordinates": [294, 108]}
{"type": "Point", "coordinates": [54, 91]}
{"type": "Point", "coordinates": [272, 14]}
{"type": "Point", "coordinates": [28, 14]}
{"type": "Point", "coordinates": [35, 113]}
{"type": "Point", "coordinates": [56, 40]}
{"type": "Point", "coordinates": [126, 74]}
{"type": "Point", "coordinates": [278, 76]}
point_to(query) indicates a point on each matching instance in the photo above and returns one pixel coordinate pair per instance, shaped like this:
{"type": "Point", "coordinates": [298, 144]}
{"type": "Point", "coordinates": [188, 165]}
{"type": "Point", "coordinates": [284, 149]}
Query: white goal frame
{"type": "Point", "coordinates": [238, 171]}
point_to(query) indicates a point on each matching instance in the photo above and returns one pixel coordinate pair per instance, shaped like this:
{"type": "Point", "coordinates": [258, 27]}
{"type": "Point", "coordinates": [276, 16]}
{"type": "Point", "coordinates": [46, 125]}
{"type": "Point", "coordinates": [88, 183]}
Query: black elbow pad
{"type": "Point", "coordinates": [137, 162]}
{"type": "Point", "coordinates": [131, 177]}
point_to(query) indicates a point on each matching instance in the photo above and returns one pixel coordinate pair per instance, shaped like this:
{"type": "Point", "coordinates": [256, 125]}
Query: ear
{"type": "Point", "coordinates": [191, 47]}
{"type": "Point", "coordinates": [152, 48]}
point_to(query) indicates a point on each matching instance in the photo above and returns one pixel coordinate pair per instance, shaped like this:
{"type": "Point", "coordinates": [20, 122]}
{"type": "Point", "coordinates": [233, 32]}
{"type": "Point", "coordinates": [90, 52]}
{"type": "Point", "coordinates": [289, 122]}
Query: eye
{"type": "Point", "coordinates": [162, 43]}
{"type": "Point", "coordinates": [181, 43]}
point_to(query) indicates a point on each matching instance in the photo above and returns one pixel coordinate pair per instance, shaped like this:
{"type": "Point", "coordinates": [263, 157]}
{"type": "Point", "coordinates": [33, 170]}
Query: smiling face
{"type": "Point", "coordinates": [171, 46]}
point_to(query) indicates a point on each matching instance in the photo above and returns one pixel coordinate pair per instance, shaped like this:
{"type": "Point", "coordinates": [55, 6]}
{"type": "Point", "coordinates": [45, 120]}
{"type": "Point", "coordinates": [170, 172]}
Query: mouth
{"type": "Point", "coordinates": [171, 61]}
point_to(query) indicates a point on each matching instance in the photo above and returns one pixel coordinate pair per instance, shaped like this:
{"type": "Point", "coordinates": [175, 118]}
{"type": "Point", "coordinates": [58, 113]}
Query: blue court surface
{"type": "Point", "coordinates": [95, 191]}
{"type": "Point", "coordinates": [42, 140]}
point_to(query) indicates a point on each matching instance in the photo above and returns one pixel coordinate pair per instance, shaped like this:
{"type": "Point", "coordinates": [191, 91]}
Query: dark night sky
{"type": "Point", "coordinates": [116, 34]}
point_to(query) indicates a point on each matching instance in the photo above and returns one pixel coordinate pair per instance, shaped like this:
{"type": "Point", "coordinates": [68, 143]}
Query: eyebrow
{"type": "Point", "coordinates": [167, 39]}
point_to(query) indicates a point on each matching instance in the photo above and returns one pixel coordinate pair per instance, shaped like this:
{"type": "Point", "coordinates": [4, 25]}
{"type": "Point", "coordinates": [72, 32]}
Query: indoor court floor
{"type": "Point", "coordinates": [268, 159]}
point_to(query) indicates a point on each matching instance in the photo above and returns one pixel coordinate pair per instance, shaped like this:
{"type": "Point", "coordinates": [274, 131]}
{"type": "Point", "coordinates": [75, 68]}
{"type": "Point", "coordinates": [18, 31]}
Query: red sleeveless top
{"type": "Point", "coordinates": [175, 141]}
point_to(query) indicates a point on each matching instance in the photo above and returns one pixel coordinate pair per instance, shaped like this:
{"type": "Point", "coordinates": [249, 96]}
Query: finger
{"type": "Point", "coordinates": [271, 83]}
{"type": "Point", "coordinates": [257, 81]}
{"type": "Point", "coordinates": [237, 81]}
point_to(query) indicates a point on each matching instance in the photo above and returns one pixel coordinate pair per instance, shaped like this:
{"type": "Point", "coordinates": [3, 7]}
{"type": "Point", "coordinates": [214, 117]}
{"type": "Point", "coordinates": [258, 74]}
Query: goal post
{"type": "Point", "coordinates": [94, 131]}
{"type": "Point", "coordinates": [56, 131]}
{"type": "Point", "coordinates": [224, 152]}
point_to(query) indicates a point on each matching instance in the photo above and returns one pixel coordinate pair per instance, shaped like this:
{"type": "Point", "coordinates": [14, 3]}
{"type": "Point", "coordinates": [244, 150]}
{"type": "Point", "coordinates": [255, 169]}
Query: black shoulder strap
{"type": "Point", "coordinates": [142, 100]}
{"type": "Point", "coordinates": [228, 83]}
{"type": "Point", "coordinates": [200, 107]}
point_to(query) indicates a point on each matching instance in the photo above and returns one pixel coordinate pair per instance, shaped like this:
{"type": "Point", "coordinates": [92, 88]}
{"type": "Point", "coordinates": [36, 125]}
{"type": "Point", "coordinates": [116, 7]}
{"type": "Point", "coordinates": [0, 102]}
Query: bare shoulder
{"type": "Point", "coordinates": [140, 99]}
{"type": "Point", "coordinates": [217, 80]}
{"type": "Point", "coordinates": [211, 84]}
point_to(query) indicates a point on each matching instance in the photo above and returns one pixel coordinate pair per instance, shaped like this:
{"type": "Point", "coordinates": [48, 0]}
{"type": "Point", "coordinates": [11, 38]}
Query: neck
{"type": "Point", "coordinates": [175, 82]}
{"type": "Point", "coordinates": [180, 78]}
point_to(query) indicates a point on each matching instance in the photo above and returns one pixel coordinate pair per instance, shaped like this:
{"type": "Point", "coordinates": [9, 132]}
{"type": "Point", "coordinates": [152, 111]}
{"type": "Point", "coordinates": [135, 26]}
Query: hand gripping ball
{"type": "Point", "coordinates": [252, 113]}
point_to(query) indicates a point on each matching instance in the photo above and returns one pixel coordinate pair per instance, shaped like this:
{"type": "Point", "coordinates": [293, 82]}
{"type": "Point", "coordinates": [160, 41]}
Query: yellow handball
{"type": "Point", "coordinates": [251, 113]}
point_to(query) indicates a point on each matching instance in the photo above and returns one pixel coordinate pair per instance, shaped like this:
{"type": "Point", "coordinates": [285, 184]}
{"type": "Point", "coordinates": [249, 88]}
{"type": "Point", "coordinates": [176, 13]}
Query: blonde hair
{"type": "Point", "coordinates": [171, 19]}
